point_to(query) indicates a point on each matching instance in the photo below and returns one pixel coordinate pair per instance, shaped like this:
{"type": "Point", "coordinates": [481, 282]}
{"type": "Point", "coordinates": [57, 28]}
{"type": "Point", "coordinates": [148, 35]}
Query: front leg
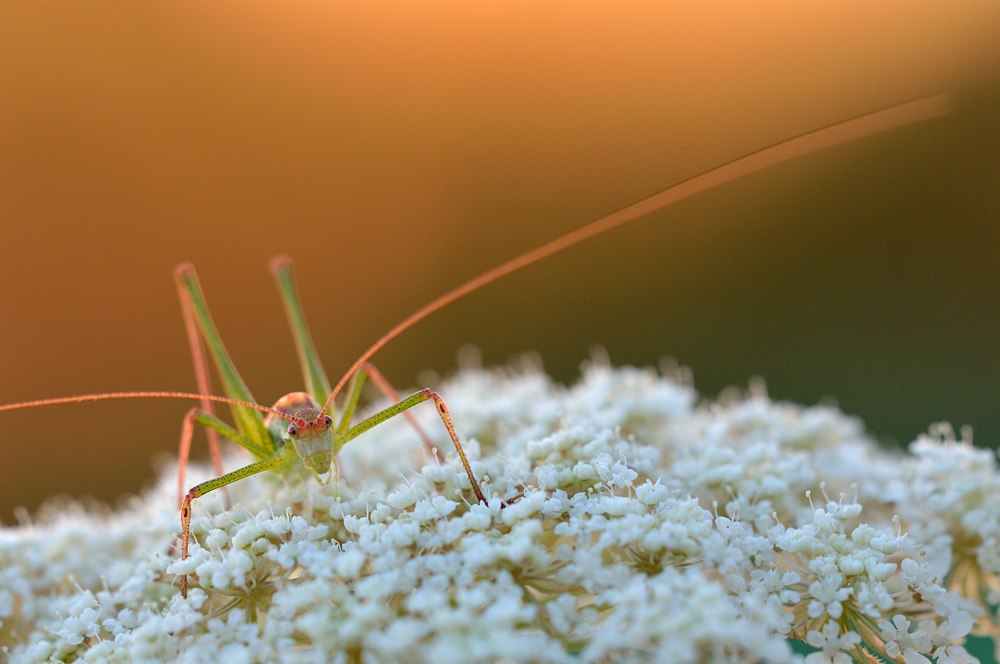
{"type": "Point", "coordinates": [214, 426]}
{"type": "Point", "coordinates": [423, 395]}
{"type": "Point", "coordinates": [387, 389]}
{"type": "Point", "coordinates": [211, 485]}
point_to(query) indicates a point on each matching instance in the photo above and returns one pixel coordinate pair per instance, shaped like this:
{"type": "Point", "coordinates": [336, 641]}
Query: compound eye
{"type": "Point", "coordinates": [327, 420]}
{"type": "Point", "coordinates": [293, 430]}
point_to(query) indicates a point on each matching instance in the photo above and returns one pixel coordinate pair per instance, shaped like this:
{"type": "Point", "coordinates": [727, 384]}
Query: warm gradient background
{"type": "Point", "coordinates": [395, 149]}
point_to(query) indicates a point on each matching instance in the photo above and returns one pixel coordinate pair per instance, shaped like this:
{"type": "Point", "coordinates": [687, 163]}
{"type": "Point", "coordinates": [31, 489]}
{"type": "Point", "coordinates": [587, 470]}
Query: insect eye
{"type": "Point", "coordinates": [327, 420]}
{"type": "Point", "coordinates": [293, 430]}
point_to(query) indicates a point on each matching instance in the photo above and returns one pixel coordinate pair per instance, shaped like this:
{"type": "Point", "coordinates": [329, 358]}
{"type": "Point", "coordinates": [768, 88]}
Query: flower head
{"type": "Point", "coordinates": [649, 529]}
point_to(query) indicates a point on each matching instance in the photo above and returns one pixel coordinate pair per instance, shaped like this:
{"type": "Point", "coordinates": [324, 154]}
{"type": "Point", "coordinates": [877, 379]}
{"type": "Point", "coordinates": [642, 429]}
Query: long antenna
{"type": "Point", "coordinates": [147, 395]}
{"type": "Point", "coordinates": [813, 141]}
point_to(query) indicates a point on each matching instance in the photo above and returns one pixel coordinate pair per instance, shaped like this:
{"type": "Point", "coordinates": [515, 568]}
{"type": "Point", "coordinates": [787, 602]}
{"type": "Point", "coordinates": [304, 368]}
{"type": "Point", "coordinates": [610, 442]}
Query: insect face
{"type": "Point", "coordinates": [312, 435]}
{"type": "Point", "coordinates": [309, 429]}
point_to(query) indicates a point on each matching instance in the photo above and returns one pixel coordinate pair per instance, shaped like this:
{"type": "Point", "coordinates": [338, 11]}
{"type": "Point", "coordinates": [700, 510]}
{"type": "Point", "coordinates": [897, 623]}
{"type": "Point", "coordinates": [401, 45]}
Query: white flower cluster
{"type": "Point", "coordinates": [650, 529]}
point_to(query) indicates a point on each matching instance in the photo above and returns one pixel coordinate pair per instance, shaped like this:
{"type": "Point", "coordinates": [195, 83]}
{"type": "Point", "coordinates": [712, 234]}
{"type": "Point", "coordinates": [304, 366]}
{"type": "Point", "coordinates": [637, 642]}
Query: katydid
{"type": "Point", "coordinates": [303, 426]}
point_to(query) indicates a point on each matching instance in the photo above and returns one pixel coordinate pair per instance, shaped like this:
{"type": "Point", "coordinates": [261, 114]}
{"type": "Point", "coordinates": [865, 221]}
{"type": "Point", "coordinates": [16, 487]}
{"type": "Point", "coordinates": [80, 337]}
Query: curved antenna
{"type": "Point", "coordinates": [813, 141]}
{"type": "Point", "coordinates": [147, 395]}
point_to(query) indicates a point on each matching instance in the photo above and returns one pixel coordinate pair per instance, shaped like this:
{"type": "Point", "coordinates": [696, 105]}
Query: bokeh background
{"type": "Point", "coordinates": [395, 149]}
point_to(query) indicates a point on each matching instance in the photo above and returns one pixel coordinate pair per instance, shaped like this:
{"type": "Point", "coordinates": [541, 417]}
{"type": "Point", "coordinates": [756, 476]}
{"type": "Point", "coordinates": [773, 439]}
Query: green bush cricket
{"type": "Point", "coordinates": [304, 425]}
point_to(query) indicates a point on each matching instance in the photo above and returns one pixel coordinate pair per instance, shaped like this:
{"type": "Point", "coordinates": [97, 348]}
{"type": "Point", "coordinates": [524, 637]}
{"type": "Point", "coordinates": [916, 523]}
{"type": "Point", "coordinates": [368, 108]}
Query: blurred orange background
{"type": "Point", "coordinates": [395, 149]}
